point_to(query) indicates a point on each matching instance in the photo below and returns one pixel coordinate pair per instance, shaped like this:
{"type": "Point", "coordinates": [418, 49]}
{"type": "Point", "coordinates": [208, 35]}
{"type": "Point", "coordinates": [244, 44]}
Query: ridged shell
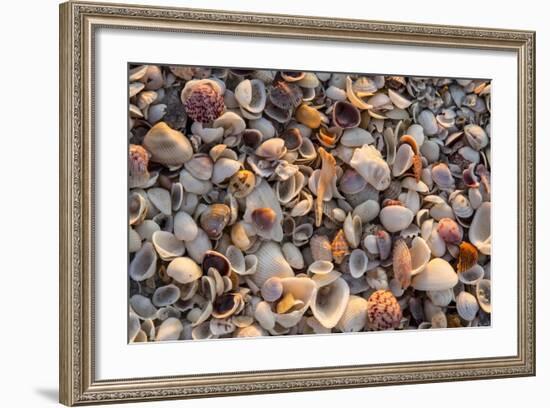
{"type": "Point", "coordinates": [339, 246]}
{"type": "Point", "coordinates": [467, 306]}
{"type": "Point", "coordinates": [354, 317]}
{"type": "Point", "coordinates": [167, 146]}
{"type": "Point", "coordinates": [161, 199]}
{"type": "Point", "coordinates": [320, 248]}
{"type": "Point", "coordinates": [302, 290]}
{"type": "Point", "coordinates": [271, 262]}
{"type": "Point", "coordinates": [467, 257]}
{"type": "Point", "coordinates": [402, 263]}
{"type": "Point", "coordinates": [293, 255]}
{"type": "Point", "coordinates": [197, 247]}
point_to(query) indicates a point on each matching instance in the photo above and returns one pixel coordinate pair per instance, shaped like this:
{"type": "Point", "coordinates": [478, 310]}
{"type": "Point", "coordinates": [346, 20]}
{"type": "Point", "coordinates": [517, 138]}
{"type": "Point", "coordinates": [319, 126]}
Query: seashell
{"type": "Point", "coordinates": [345, 115]}
{"type": "Point", "coordinates": [264, 219]}
{"type": "Point", "coordinates": [480, 229]}
{"type": "Point", "coordinates": [430, 150]}
{"type": "Point", "coordinates": [466, 306]}
{"type": "Point", "coordinates": [231, 123]}
{"type": "Point", "coordinates": [476, 136]}
{"type": "Point", "coordinates": [472, 275]}
{"type": "Point", "coordinates": [242, 183]}
{"type": "Point", "coordinates": [403, 160]}
{"type": "Point", "coordinates": [339, 247]}
{"type": "Point", "coordinates": [427, 120]}
{"type": "Point", "coordinates": [134, 241]}
{"type": "Point", "coordinates": [288, 302]}
{"type": "Point", "coordinates": [241, 234]}
{"type": "Point", "coordinates": [398, 100]}
{"type": "Point", "coordinates": [320, 267]}
{"type": "Point", "coordinates": [216, 260]}
{"type": "Point", "coordinates": [135, 88]}
{"type": "Point", "coordinates": [143, 266]}
{"type": "Point", "coordinates": [291, 76]}
{"type": "Point", "coordinates": [166, 295]}
{"type": "Point", "coordinates": [264, 316]}
{"type": "Point", "coordinates": [302, 290]}
{"type": "Point", "coordinates": [223, 169]}
{"type": "Point", "coordinates": [272, 149]}
{"type": "Point", "coordinates": [367, 211]}
{"type": "Point", "coordinates": [193, 185]}
{"type": "Point", "coordinates": [467, 257]}
{"type": "Point", "coordinates": [169, 329]}
{"type": "Point", "coordinates": [461, 206]}
{"type": "Point", "coordinates": [383, 311]}
{"type": "Point", "coordinates": [320, 247]}
{"type": "Point", "coordinates": [395, 218]}
{"type": "Point", "coordinates": [221, 327]}
{"type": "Point", "coordinates": [176, 196]}
{"type": "Point", "coordinates": [293, 255]}
{"type": "Point", "coordinates": [442, 176]}
{"type": "Point", "coordinates": [449, 231]}
{"type": "Point", "coordinates": [439, 320]}
{"type": "Point", "coordinates": [146, 229]}
{"type": "Point", "coordinates": [251, 95]}
{"type": "Point", "coordinates": [437, 275]}
{"type": "Point", "coordinates": [138, 159]}
{"type": "Point", "coordinates": [285, 95]}
{"type": "Point", "coordinates": [308, 116]}
{"type": "Point", "coordinates": [200, 166]}
{"type": "Point", "coordinates": [354, 317]}
{"type": "Point", "coordinates": [226, 305]}
{"type": "Point", "coordinates": [214, 219]}
{"type": "Point", "coordinates": [292, 138]}
{"type": "Point", "coordinates": [402, 263]}
{"type": "Point", "coordinates": [356, 137]}
{"type": "Point", "coordinates": [475, 197]}
{"type": "Point", "coordinates": [167, 146]}
{"type": "Point", "coordinates": [262, 197]}
{"type": "Point", "coordinates": [137, 208]}
{"type": "Point", "coordinates": [441, 297]}
{"type": "Point", "coordinates": [185, 227]}
{"type": "Point", "coordinates": [143, 307]}
{"type": "Point", "coordinates": [309, 80]}
{"type": "Point", "coordinates": [377, 278]}
{"type": "Point", "coordinates": [183, 270]}
{"type": "Point", "coordinates": [328, 169]}
{"type": "Point", "coordinates": [368, 162]}
{"type": "Point", "coordinates": [483, 295]}
{"type": "Point", "coordinates": [328, 137]}
{"type": "Point", "coordinates": [433, 239]}
{"type": "Point", "coordinates": [161, 199]}
{"type": "Point", "coordinates": [335, 93]}
{"type": "Point", "coordinates": [167, 245]}
{"type": "Point", "coordinates": [271, 262]}
{"type": "Point", "coordinates": [330, 302]}
{"type": "Point", "coordinates": [352, 230]}
{"type": "Point", "coordinates": [420, 255]}
{"type": "Point", "coordinates": [250, 331]}
{"type": "Point", "coordinates": [152, 78]}
{"type": "Point", "coordinates": [358, 263]}
{"type": "Point", "coordinates": [272, 289]}
{"type": "Point", "coordinates": [351, 182]}
{"type": "Point", "coordinates": [383, 244]}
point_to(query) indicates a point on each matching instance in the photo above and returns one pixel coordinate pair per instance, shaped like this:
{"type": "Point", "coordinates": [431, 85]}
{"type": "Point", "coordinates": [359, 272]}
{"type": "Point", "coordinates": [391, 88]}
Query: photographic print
{"type": "Point", "coordinates": [275, 203]}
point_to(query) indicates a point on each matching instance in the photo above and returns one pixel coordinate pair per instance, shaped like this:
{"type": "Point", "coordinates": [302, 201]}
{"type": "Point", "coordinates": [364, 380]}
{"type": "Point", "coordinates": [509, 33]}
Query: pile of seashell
{"type": "Point", "coordinates": [265, 203]}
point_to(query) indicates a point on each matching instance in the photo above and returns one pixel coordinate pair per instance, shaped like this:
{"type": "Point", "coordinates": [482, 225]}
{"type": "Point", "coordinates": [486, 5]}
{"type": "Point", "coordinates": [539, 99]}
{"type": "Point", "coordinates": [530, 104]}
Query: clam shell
{"type": "Point", "coordinates": [185, 227]}
{"type": "Point", "coordinates": [146, 229]}
{"type": "Point", "coordinates": [293, 255]}
{"type": "Point", "coordinates": [395, 217]}
{"type": "Point", "coordinates": [251, 95]}
{"type": "Point", "coordinates": [483, 295]}
{"type": "Point", "coordinates": [231, 123]}
{"type": "Point", "coordinates": [437, 275]}
{"type": "Point", "coordinates": [264, 316]}
{"type": "Point", "coordinates": [134, 241]}
{"type": "Point", "coordinates": [420, 255]}
{"type": "Point", "coordinates": [476, 136]}
{"type": "Point", "coordinates": [356, 137]}
{"type": "Point", "coordinates": [302, 290]}
{"type": "Point", "coordinates": [170, 329]}
{"type": "Point", "coordinates": [352, 230]}
{"type": "Point", "coordinates": [144, 264]}
{"type": "Point", "coordinates": [426, 119]}
{"type": "Point", "coordinates": [197, 247]}
{"type": "Point", "coordinates": [166, 295]}
{"type": "Point", "coordinates": [480, 229]}
{"type": "Point", "coordinates": [193, 185]}
{"type": "Point", "coordinates": [358, 263]}
{"type": "Point", "coordinates": [441, 297]}
{"type": "Point", "coordinates": [442, 176]}
{"type": "Point", "coordinates": [167, 146]}
{"type": "Point", "coordinates": [320, 267]}
{"type": "Point", "coordinates": [272, 289]}
{"type": "Point", "coordinates": [167, 245]}
{"type": "Point", "coordinates": [137, 208]}
{"type": "Point", "coordinates": [472, 275]}
{"type": "Point", "coordinates": [330, 302]}
{"type": "Point", "coordinates": [271, 262]}
{"type": "Point", "coordinates": [184, 270]}
{"type": "Point", "coordinates": [161, 199]}
{"type": "Point", "coordinates": [263, 197]}
{"type": "Point", "coordinates": [368, 162]}
{"type": "Point", "coordinates": [223, 169]}
{"type": "Point", "coordinates": [467, 306]}
{"type": "Point", "coordinates": [143, 307]}
{"type": "Point", "coordinates": [200, 166]}
{"type": "Point", "coordinates": [354, 317]}
{"type": "Point", "coordinates": [403, 160]}
{"type": "Point", "coordinates": [367, 211]}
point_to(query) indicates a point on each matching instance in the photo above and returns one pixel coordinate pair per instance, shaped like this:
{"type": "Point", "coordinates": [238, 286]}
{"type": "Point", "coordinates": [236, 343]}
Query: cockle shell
{"type": "Point", "coordinates": [224, 168]}
{"type": "Point", "coordinates": [271, 262]}
{"type": "Point", "coordinates": [143, 307]}
{"type": "Point", "coordinates": [352, 230]}
{"type": "Point", "coordinates": [272, 289]}
{"type": "Point", "coordinates": [263, 197]}
{"type": "Point", "coordinates": [467, 257]}
{"type": "Point", "coordinates": [161, 199]}
{"type": "Point", "coordinates": [166, 295]}
{"type": "Point", "coordinates": [293, 255]}
{"type": "Point", "coordinates": [214, 219]}
{"type": "Point", "coordinates": [197, 247]}
{"type": "Point", "coordinates": [231, 123]}
{"type": "Point", "coordinates": [185, 227]}
{"type": "Point", "coordinates": [467, 306]}
{"type": "Point", "coordinates": [441, 297]}
{"type": "Point", "coordinates": [395, 217]}
{"type": "Point", "coordinates": [437, 275]}
{"type": "Point", "coordinates": [345, 115]}
{"type": "Point", "coordinates": [242, 183]}
{"type": "Point", "coordinates": [330, 302]}
{"type": "Point", "coordinates": [193, 185]}
{"type": "Point", "coordinates": [480, 229]}
{"type": "Point", "coordinates": [461, 206]}
{"type": "Point", "coordinates": [476, 136]}
{"type": "Point", "coordinates": [367, 211]}
{"type": "Point", "coordinates": [356, 137]}
{"type": "Point", "coordinates": [368, 162]}
{"type": "Point", "coordinates": [138, 160]}
{"type": "Point", "coordinates": [167, 146]}
{"type": "Point", "coordinates": [402, 263]}
{"type": "Point", "coordinates": [354, 317]}
{"type": "Point", "coordinates": [184, 270]}
{"type": "Point", "coordinates": [442, 176]}
{"type": "Point", "coordinates": [167, 245]}
{"type": "Point", "coordinates": [144, 264]}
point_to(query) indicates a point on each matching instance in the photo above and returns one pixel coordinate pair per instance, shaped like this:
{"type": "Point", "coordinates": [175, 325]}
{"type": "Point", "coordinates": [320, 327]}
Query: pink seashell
{"type": "Point", "coordinates": [449, 231]}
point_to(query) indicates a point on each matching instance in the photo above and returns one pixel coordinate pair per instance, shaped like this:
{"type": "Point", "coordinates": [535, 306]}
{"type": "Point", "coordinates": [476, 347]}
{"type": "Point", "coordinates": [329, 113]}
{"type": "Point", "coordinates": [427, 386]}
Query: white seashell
{"type": "Point", "coordinates": [353, 230]}
{"type": "Point", "coordinates": [167, 245]}
{"type": "Point", "coordinates": [358, 263]}
{"type": "Point", "coordinates": [200, 166]}
{"type": "Point", "coordinates": [265, 127]}
{"type": "Point", "coordinates": [390, 140]}
{"type": "Point", "coordinates": [197, 247]}
{"type": "Point", "coordinates": [475, 197]}
{"type": "Point", "coordinates": [472, 276]}
{"type": "Point", "coordinates": [441, 297]}
{"type": "Point", "coordinates": [293, 255]}
{"type": "Point", "coordinates": [223, 169]}
{"type": "Point", "coordinates": [411, 184]}
{"type": "Point", "coordinates": [167, 146]}
{"type": "Point", "coordinates": [303, 290]}
{"type": "Point", "coordinates": [433, 239]}
{"type": "Point", "coordinates": [368, 162]}
{"type": "Point", "coordinates": [403, 160]}
{"type": "Point", "coordinates": [271, 262]}
{"type": "Point", "coordinates": [134, 241]}
{"type": "Point", "coordinates": [417, 132]}
{"type": "Point", "coordinates": [325, 279]}
{"type": "Point", "coordinates": [356, 137]}
{"type": "Point", "coordinates": [166, 295]}
{"type": "Point", "coordinates": [367, 211]}
{"type": "Point", "coordinates": [272, 289]}
{"type": "Point", "coordinates": [377, 278]}
{"type": "Point", "coordinates": [146, 229]}
{"type": "Point", "coordinates": [185, 227]}
{"type": "Point", "coordinates": [193, 185]}
{"type": "Point", "coordinates": [170, 329]}
{"type": "Point", "coordinates": [476, 136]}
{"type": "Point", "coordinates": [161, 199]}
{"type": "Point", "coordinates": [396, 217]}
{"type": "Point", "coordinates": [207, 135]}
{"type": "Point", "coordinates": [371, 244]}
{"type": "Point", "coordinates": [321, 267]}
{"type": "Point", "coordinates": [480, 229]}
{"type": "Point", "coordinates": [335, 93]}
{"type": "Point", "coordinates": [483, 294]}
{"type": "Point", "coordinates": [142, 306]}
{"type": "Point", "coordinates": [430, 150]}
{"type": "Point", "coordinates": [330, 302]}
{"type": "Point", "coordinates": [184, 270]}
{"type": "Point", "coordinates": [437, 275]}
{"type": "Point", "coordinates": [411, 199]}
{"type": "Point", "coordinates": [461, 206]}
{"type": "Point", "coordinates": [354, 317]}
{"type": "Point", "coordinates": [420, 255]}
{"type": "Point", "coordinates": [263, 197]}
{"type": "Point", "coordinates": [264, 315]}
{"type": "Point", "coordinates": [231, 123]}
{"type": "Point", "coordinates": [426, 119]}
{"type": "Point", "coordinates": [144, 264]}
{"type": "Point", "coordinates": [467, 306]}
{"type": "Point", "coordinates": [221, 327]}
{"type": "Point", "coordinates": [398, 100]}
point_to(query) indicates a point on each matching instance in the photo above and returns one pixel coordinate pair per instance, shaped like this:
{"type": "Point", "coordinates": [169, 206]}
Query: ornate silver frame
{"type": "Point", "coordinates": [78, 22]}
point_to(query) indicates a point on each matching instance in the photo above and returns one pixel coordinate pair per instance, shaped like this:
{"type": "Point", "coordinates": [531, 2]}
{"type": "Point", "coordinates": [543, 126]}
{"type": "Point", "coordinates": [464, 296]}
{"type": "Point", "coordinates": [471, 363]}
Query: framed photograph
{"type": "Point", "coordinates": [256, 203]}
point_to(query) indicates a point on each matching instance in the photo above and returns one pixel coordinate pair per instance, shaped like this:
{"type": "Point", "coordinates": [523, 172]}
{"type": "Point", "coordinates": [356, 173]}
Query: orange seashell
{"type": "Point", "coordinates": [388, 202]}
{"type": "Point", "coordinates": [309, 116]}
{"type": "Point", "coordinates": [467, 256]}
{"type": "Point", "coordinates": [328, 169]}
{"type": "Point", "coordinates": [340, 247]}
{"type": "Point", "coordinates": [411, 141]}
{"type": "Point", "coordinates": [329, 136]}
{"type": "Point", "coordinates": [402, 263]}
{"type": "Point", "coordinates": [417, 167]}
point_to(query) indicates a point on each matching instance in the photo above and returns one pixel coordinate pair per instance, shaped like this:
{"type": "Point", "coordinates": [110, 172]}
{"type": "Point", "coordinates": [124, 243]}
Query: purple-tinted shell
{"type": "Point", "coordinates": [383, 241]}
{"type": "Point", "coordinates": [449, 231]}
{"type": "Point", "coordinates": [345, 115]}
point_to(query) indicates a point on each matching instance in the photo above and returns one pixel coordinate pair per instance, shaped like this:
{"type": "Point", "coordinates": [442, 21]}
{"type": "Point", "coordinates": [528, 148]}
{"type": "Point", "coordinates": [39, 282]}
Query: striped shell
{"type": "Point", "coordinates": [339, 246]}
{"type": "Point", "coordinates": [467, 257]}
{"type": "Point", "coordinates": [402, 263]}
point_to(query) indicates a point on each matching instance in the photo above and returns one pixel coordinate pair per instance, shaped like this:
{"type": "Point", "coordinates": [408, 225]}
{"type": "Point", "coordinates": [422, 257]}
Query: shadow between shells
{"type": "Point", "coordinates": [270, 203]}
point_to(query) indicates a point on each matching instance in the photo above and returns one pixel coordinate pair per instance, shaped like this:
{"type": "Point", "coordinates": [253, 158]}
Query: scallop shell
{"type": "Point", "coordinates": [437, 275]}
{"type": "Point", "coordinates": [480, 229]}
{"type": "Point", "coordinates": [467, 306]}
{"type": "Point", "coordinates": [167, 146]}
{"type": "Point", "coordinates": [330, 302]}
{"type": "Point", "coordinates": [402, 263]}
{"type": "Point", "coordinates": [271, 262]}
{"type": "Point", "coordinates": [144, 264]}
{"type": "Point", "coordinates": [184, 270]}
{"type": "Point", "coordinates": [354, 317]}
{"type": "Point", "coordinates": [368, 162]}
